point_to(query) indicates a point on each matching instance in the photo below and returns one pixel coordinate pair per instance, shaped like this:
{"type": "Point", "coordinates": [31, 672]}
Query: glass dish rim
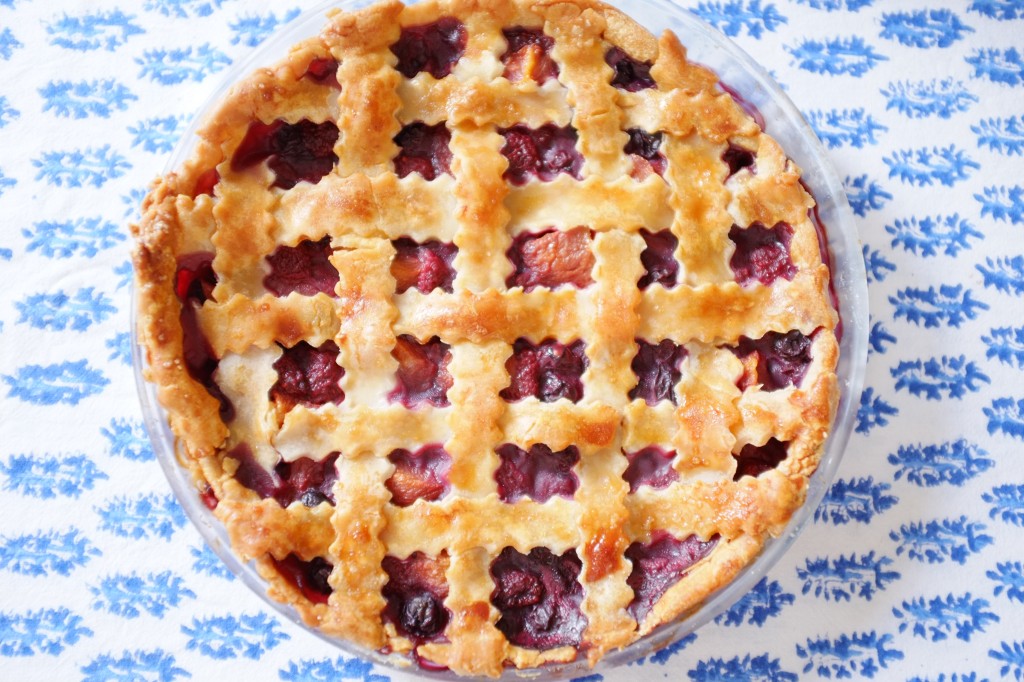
{"type": "Point", "coordinates": [789, 128]}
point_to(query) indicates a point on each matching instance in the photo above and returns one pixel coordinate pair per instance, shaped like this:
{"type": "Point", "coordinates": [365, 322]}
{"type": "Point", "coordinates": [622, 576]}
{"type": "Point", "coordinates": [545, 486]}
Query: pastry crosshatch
{"type": "Point", "coordinates": [496, 333]}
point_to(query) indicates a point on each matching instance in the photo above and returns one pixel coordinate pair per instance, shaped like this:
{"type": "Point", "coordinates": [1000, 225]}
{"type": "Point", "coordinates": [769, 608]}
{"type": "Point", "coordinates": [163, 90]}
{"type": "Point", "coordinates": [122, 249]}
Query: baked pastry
{"type": "Point", "coordinates": [495, 333]}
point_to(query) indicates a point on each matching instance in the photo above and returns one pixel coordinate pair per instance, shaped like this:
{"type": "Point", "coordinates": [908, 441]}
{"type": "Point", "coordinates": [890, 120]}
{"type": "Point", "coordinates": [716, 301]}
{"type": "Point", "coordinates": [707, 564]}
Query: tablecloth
{"type": "Point", "coordinates": [912, 567]}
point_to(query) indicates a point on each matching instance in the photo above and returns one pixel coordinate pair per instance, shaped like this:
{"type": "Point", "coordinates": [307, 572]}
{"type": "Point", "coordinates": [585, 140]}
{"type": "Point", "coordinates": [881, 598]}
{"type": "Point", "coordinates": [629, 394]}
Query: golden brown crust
{"type": "Point", "coordinates": [361, 206]}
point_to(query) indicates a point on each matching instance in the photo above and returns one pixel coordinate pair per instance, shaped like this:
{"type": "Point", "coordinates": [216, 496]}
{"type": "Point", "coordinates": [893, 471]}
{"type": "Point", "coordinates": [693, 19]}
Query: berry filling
{"type": "Point", "coordinates": [629, 74]}
{"type": "Point", "coordinates": [543, 152]}
{"type": "Point", "coordinates": [422, 372]}
{"type": "Point", "coordinates": [538, 474]}
{"type": "Point", "coordinates": [205, 183]}
{"type": "Point", "coordinates": [415, 594]}
{"type": "Point", "coordinates": [307, 375]}
{"type": "Point", "coordinates": [311, 577]}
{"type": "Point", "coordinates": [434, 48]}
{"type": "Point", "coordinates": [194, 282]}
{"type": "Point", "coordinates": [323, 71]}
{"type": "Point", "coordinates": [424, 150]}
{"type": "Point", "coordinates": [651, 466]}
{"type": "Point", "coordinates": [539, 596]}
{"type": "Point", "coordinates": [656, 366]}
{"type": "Point", "coordinates": [762, 253]}
{"type": "Point", "coordinates": [296, 151]}
{"type": "Point", "coordinates": [754, 460]}
{"type": "Point", "coordinates": [303, 480]}
{"type": "Point", "coordinates": [644, 148]}
{"type": "Point", "coordinates": [738, 158]}
{"type": "Point", "coordinates": [658, 259]}
{"type": "Point", "coordinates": [547, 371]}
{"type": "Point", "coordinates": [419, 475]}
{"type": "Point", "coordinates": [305, 268]}
{"type": "Point", "coordinates": [551, 258]}
{"type": "Point", "coordinates": [209, 497]}
{"type": "Point", "coordinates": [775, 360]}
{"type": "Point", "coordinates": [659, 565]}
{"type": "Point", "coordinates": [425, 266]}
{"type": "Point", "coordinates": [528, 56]}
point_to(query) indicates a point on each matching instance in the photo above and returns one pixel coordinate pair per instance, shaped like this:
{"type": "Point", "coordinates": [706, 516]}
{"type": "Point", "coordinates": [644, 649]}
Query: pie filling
{"type": "Point", "coordinates": [492, 387]}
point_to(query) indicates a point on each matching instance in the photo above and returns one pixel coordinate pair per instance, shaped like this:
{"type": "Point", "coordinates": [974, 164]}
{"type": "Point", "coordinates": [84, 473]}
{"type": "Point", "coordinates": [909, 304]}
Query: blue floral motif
{"type": "Point", "coordinates": [1009, 577]}
{"type": "Point", "coordinates": [59, 311]}
{"type": "Point", "coordinates": [68, 383]}
{"type": "Point", "coordinates": [859, 499]}
{"type": "Point", "coordinates": [142, 517]}
{"type": "Point", "coordinates": [93, 31]}
{"type": "Point", "coordinates": [948, 304]}
{"type": "Point", "coordinates": [134, 198]}
{"type": "Point", "coordinates": [327, 670]}
{"type": "Point", "coordinates": [878, 337]}
{"type": "Point", "coordinates": [47, 477]}
{"type": "Point", "coordinates": [1003, 135]}
{"type": "Point", "coordinates": [223, 637]}
{"type": "Point", "coordinates": [86, 98]}
{"type": "Point", "coordinates": [844, 577]}
{"type": "Point", "coordinates": [46, 552]}
{"type": "Point", "coordinates": [6, 182]}
{"type": "Point", "coordinates": [937, 540]}
{"type": "Point", "coordinates": [836, 56]}
{"type": "Point", "coordinates": [924, 28]}
{"type": "Point", "coordinates": [1012, 658]}
{"type": "Point", "coordinates": [134, 666]}
{"type": "Point", "coordinates": [120, 348]}
{"type": "Point", "coordinates": [7, 112]}
{"type": "Point", "coordinates": [8, 44]}
{"type": "Point", "coordinates": [46, 631]}
{"type": "Point", "coordinates": [1003, 203]}
{"type": "Point", "coordinates": [955, 677]}
{"type": "Point", "coordinates": [847, 655]}
{"type": "Point", "coordinates": [208, 563]}
{"type": "Point", "coordinates": [80, 237]}
{"type": "Point", "coordinates": [1006, 416]}
{"type": "Point", "coordinates": [954, 376]}
{"type": "Point", "coordinates": [853, 127]}
{"type": "Point", "coordinates": [1003, 10]}
{"type": "Point", "coordinates": [873, 411]}
{"type": "Point", "coordinates": [183, 9]}
{"type": "Point", "coordinates": [877, 265]}
{"type": "Point", "coordinates": [928, 98]}
{"type": "Point", "coordinates": [251, 30]}
{"type": "Point", "coordinates": [1004, 274]}
{"type": "Point", "coordinates": [128, 439]}
{"type": "Point", "coordinates": [156, 135]}
{"type": "Point", "coordinates": [170, 67]}
{"type": "Point", "coordinates": [954, 462]}
{"type": "Point", "coordinates": [865, 194]}
{"type": "Point", "coordinates": [924, 166]}
{"type": "Point", "coordinates": [764, 601]}
{"type": "Point", "coordinates": [124, 272]}
{"type": "Point", "coordinates": [1007, 345]}
{"type": "Point", "coordinates": [1007, 503]}
{"type": "Point", "coordinates": [749, 669]}
{"type": "Point", "coordinates": [80, 167]}
{"type": "Point", "coordinates": [835, 5]}
{"type": "Point", "coordinates": [937, 618]}
{"type": "Point", "coordinates": [732, 16]}
{"type": "Point", "coordinates": [129, 595]}
{"type": "Point", "coordinates": [999, 66]}
{"type": "Point", "coordinates": [929, 236]}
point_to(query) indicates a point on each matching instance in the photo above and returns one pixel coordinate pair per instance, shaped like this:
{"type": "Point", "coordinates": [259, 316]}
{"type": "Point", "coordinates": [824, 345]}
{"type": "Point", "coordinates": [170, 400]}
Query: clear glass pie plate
{"type": "Point", "coordinates": [756, 89]}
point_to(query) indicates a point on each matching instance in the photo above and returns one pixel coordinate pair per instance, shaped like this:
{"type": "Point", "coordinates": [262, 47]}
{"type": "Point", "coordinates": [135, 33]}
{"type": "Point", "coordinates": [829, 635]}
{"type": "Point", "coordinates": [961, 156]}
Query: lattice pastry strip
{"type": "Point", "coordinates": [494, 332]}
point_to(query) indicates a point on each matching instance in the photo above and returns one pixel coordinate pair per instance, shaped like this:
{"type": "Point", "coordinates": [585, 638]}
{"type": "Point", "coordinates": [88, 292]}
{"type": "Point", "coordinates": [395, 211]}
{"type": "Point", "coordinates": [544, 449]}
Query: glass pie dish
{"type": "Point", "coordinates": [765, 103]}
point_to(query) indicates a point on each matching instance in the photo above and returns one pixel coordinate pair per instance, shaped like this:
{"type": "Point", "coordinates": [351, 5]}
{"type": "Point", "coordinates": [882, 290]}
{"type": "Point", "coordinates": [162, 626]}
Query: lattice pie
{"type": "Point", "coordinates": [495, 333]}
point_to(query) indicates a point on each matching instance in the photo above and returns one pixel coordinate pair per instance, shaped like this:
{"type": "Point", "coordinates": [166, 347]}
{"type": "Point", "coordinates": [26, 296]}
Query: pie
{"type": "Point", "coordinates": [495, 333]}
